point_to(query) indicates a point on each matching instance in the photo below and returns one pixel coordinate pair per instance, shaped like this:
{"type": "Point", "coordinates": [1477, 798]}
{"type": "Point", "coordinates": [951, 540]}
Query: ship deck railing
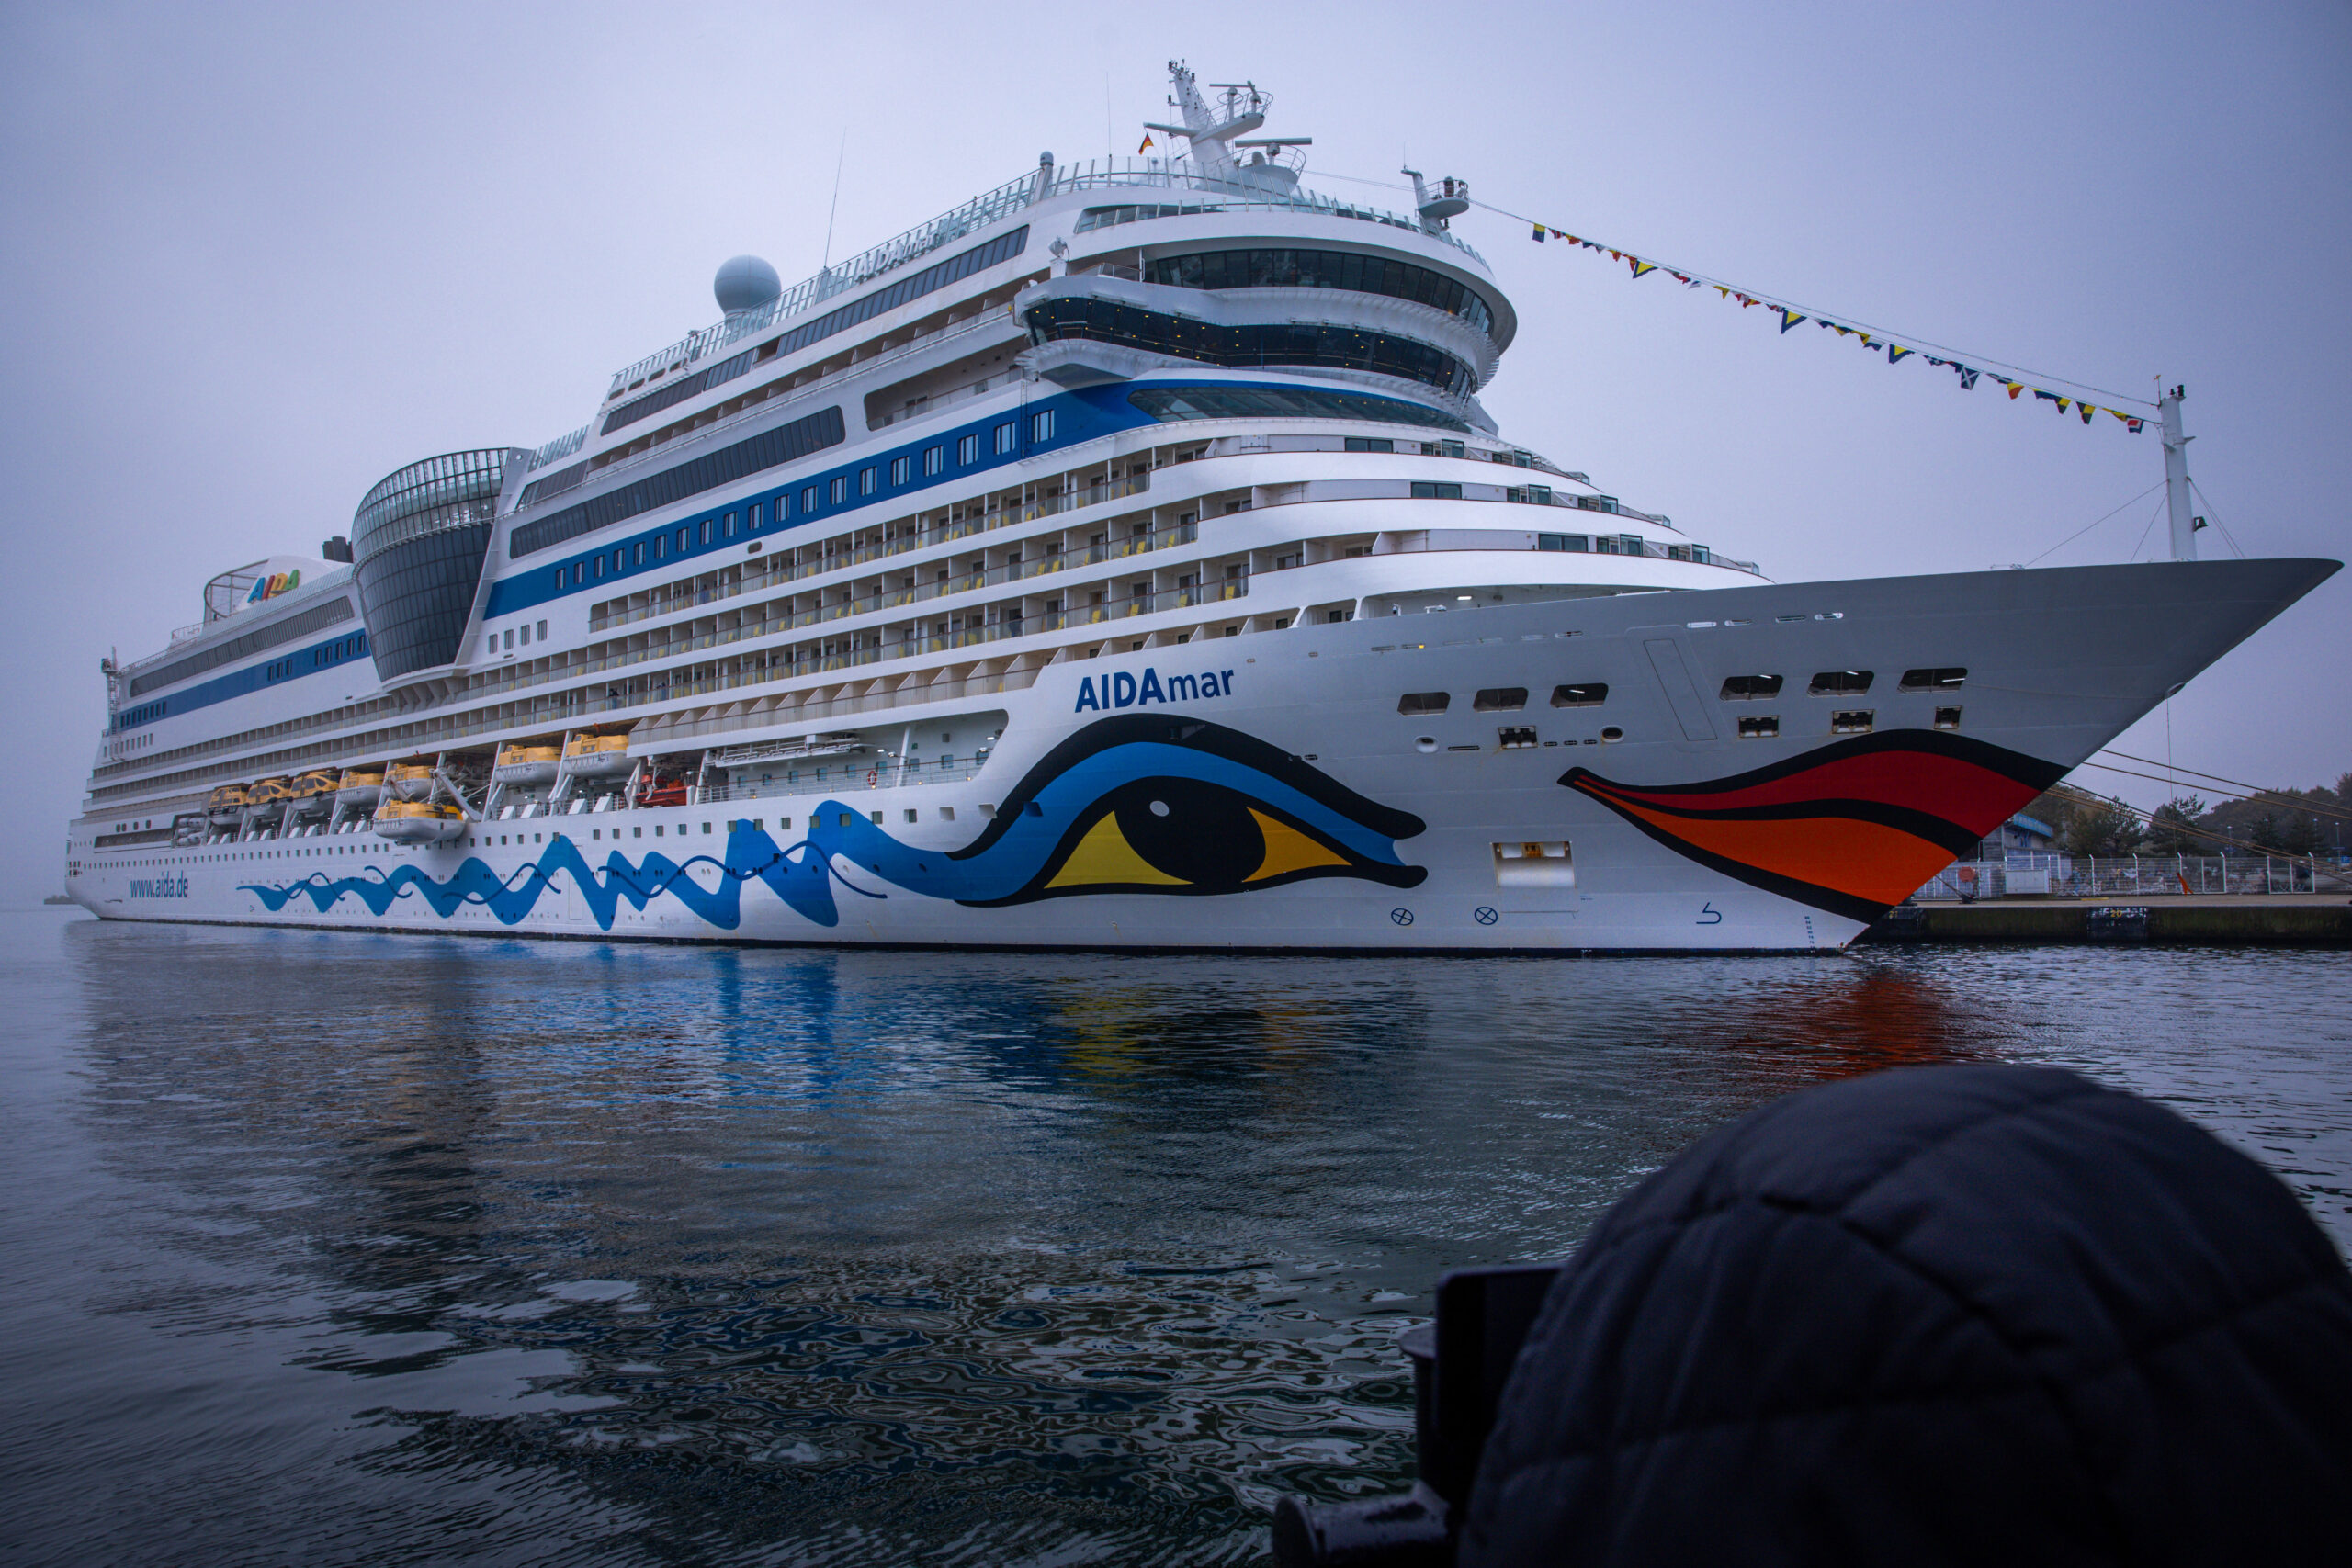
{"type": "Point", "coordinates": [822, 382]}
{"type": "Point", "coordinates": [1207, 193]}
{"type": "Point", "coordinates": [754, 580]}
{"type": "Point", "coordinates": [886, 772]}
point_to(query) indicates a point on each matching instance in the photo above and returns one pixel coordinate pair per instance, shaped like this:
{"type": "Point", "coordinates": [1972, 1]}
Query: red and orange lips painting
{"type": "Point", "coordinates": [1852, 827]}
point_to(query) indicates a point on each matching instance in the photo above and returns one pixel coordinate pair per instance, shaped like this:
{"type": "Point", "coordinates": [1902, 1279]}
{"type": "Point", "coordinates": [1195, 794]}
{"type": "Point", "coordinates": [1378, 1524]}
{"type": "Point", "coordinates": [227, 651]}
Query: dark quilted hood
{"type": "Point", "coordinates": [1946, 1315]}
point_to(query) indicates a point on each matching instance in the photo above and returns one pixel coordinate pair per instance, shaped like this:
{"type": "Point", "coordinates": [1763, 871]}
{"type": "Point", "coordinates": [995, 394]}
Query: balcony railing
{"type": "Point", "coordinates": [780, 572]}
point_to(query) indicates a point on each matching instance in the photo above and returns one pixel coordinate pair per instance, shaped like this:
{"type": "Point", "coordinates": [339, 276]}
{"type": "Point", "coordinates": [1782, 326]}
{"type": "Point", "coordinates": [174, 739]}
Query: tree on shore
{"type": "Point", "coordinates": [2172, 828]}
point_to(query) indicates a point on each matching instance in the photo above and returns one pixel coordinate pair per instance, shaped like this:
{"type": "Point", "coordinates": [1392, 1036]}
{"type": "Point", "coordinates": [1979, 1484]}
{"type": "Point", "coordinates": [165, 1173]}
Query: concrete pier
{"type": "Point", "coordinates": [2275, 919]}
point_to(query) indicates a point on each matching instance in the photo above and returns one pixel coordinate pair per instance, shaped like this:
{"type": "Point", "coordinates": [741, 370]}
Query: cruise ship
{"type": "Point", "coordinates": [1123, 560]}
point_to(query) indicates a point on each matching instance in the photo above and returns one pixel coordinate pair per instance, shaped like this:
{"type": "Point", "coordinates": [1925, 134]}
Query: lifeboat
{"type": "Point", "coordinates": [527, 764]}
{"type": "Point", "coordinates": [265, 802]}
{"type": "Point", "coordinates": [419, 821]}
{"type": "Point", "coordinates": [310, 790]}
{"type": "Point", "coordinates": [597, 756]}
{"type": "Point", "coordinates": [226, 806]}
{"type": "Point", "coordinates": [359, 789]}
{"type": "Point", "coordinates": [408, 781]}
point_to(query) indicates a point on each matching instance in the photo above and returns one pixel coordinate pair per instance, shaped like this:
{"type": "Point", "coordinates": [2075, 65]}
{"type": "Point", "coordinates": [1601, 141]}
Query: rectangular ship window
{"type": "Point", "coordinates": [1370, 444]}
{"type": "Point", "coordinates": [1548, 863]}
{"type": "Point", "coordinates": [1500, 699]}
{"type": "Point", "coordinates": [1938, 680]}
{"type": "Point", "coordinates": [931, 460]}
{"type": "Point", "coordinates": [1946, 718]}
{"type": "Point", "coordinates": [1006, 435]}
{"type": "Point", "coordinates": [967, 451]}
{"type": "Point", "coordinates": [898, 472]}
{"type": "Point", "coordinates": [1423, 702]}
{"type": "Point", "coordinates": [1426, 489]}
{"type": "Point", "coordinates": [1841, 683]}
{"type": "Point", "coordinates": [1853, 721]}
{"type": "Point", "coordinates": [1768, 727]}
{"type": "Point", "coordinates": [1516, 737]}
{"type": "Point", "coordinates": [1588, 694]}
{"type": "Point", "coordinates": [1750, 688]}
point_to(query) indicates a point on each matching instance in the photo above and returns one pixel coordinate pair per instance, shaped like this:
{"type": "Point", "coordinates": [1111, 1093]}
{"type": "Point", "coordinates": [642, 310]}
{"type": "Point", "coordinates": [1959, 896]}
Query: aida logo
{"type": "Point", "coordinates": [1122, 690]}
{"type": "Point", "coordinates": [276, 584]}
{"type": "Point", "coordinates": [159, 887]}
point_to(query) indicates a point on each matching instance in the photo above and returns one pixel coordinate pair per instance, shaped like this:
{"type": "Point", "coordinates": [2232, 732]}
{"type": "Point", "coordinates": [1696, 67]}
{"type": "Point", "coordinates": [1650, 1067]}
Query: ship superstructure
{"type": "Point", "coordinates": [1122, 558]}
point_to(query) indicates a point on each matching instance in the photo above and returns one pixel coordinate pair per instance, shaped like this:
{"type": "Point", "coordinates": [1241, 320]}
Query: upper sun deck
{"type": "Point", "coordinates": [1148, 189]}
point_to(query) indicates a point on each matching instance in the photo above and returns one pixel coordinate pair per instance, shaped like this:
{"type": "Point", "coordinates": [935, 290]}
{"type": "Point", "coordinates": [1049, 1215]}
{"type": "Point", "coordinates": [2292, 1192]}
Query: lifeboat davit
{"type": "Point", "coordinates": [226, 805]}
{"type": "Point", "coordinates": [265, 802]}
{"type": "Point", "coordinates": [597, 757]}
{"type": "Point", "coordinates": [419, 821]}
{"type": "Point", "coordinates": [408, 781]}
{"type": "Point", "coordinates": [527, 764]}
{"type": "Point", "coordinates": [359, 789]}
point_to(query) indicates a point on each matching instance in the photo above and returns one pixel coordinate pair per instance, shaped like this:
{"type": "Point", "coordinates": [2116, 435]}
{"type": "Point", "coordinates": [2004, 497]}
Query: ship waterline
{"type": "Point", "coordinates": [1122, 561]}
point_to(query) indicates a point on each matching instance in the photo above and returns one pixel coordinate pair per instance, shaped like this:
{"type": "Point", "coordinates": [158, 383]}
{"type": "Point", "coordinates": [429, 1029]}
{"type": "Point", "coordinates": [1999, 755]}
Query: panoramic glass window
{"type": "Point", "coordinates": [418, 542]}
{"type": "Point", "coordinates": [766, 450]}
{"type": "Point", "coordinates": [1323, 269]}
{"type": "Point", "coordinates": [1277, 402]}
{"type": "Point", "coordinates": [1255, 343]}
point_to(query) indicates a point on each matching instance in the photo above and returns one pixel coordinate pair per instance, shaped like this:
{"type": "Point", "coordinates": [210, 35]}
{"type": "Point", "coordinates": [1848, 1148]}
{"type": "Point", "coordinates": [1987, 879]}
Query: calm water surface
{"type": "Point", "coordinates": [330, 1249]}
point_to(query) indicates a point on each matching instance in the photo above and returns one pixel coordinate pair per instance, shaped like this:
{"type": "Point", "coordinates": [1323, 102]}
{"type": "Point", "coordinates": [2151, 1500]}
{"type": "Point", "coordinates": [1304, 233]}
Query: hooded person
{"type": "Point", "coordinates": [1954, 1314]}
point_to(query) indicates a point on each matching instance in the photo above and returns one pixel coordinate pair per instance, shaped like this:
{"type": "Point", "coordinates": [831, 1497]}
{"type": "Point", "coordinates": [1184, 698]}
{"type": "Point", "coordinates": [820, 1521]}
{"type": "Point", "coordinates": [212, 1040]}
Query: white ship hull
{"type": "Point", "coordinates": [1309, 814]}
{"type": "Point", "coordinates": [1121, 559]}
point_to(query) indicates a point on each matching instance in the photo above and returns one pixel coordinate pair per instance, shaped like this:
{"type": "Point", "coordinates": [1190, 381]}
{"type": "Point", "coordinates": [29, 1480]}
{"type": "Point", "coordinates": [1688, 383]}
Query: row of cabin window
{"type": "Point", "coordinates": [338, 650]}
{"type": "Point", "coordinates": [1843, 683]}
{"type": "Point", "coordinates": [490, 645]}
{"type": "Point", "coordinates": [1004, 441]}
{"type": "Point", "coordinates": [1506, 699]}
{"type": "Point", "coordinates": [1737, 688]}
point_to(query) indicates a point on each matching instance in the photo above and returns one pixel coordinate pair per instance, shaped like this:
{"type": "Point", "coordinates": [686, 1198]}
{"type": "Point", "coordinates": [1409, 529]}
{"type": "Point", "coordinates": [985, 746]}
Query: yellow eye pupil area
{"type": "Point", "coordinates": [1173, 833]}
{"type": "Point", "coordinates": [1288, 850]}
{"type": "Point", "coordinates": [1104, 855]}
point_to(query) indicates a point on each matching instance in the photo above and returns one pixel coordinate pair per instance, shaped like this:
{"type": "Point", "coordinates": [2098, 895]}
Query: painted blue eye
{"type": "Point", "coordinates": [1158, 804]}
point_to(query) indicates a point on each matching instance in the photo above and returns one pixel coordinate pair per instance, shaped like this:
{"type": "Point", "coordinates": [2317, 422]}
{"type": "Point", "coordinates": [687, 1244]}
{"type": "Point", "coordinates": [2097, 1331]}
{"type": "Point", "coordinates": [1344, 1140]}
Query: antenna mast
{"type": "Point", "coordinates": [2184, 525]}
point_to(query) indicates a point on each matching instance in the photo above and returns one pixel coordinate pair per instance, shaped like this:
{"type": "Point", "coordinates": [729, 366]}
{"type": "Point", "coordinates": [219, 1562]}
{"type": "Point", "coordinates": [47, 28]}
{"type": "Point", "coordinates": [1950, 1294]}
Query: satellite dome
{"type": "Point", "coordinates": [745, 283]}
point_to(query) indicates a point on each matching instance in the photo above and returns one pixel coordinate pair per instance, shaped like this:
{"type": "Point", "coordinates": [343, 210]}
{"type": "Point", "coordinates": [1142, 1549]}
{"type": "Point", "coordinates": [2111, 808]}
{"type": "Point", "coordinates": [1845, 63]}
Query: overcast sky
{"type": "Point", "coordinates": [255, 257]}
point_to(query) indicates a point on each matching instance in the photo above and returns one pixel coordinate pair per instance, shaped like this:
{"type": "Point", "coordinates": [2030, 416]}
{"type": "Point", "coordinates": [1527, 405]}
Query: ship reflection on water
{"type": "Point", "coordinates": [413, 1246]}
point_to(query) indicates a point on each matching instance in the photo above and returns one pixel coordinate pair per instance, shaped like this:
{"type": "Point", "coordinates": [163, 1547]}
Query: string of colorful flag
{"type": "Point", "coordinates": [1871, 339]}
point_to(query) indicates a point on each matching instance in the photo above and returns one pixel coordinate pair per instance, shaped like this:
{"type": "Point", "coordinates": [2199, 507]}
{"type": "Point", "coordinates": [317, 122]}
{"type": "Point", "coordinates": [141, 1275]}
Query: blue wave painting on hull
{"type": "Point", "coordinates": [1135, 804]}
